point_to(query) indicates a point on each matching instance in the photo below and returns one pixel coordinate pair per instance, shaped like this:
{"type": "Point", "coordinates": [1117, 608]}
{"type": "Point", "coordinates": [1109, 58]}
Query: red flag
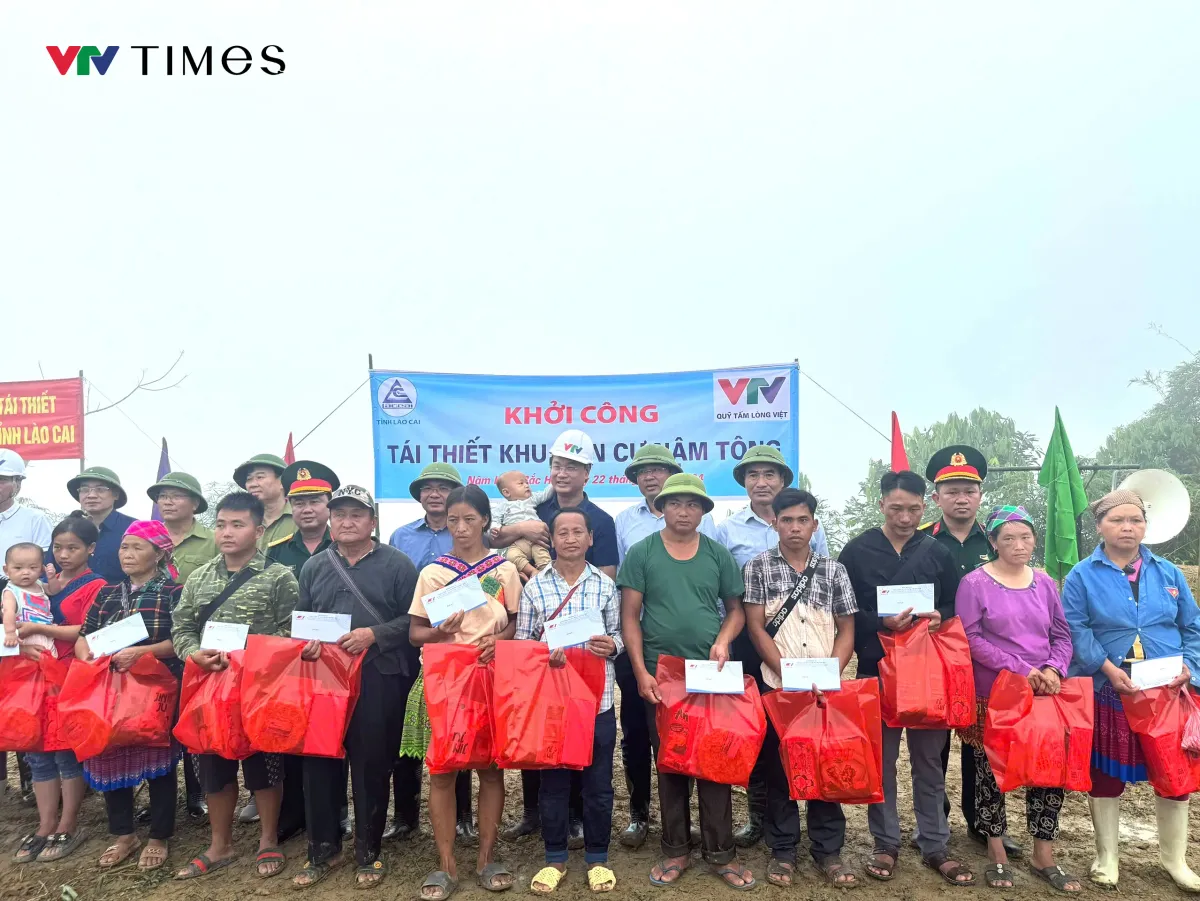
{"type": "Point", "coordinates": [899, 456]}
{"type": "Point", "coordinates": [289, 455]}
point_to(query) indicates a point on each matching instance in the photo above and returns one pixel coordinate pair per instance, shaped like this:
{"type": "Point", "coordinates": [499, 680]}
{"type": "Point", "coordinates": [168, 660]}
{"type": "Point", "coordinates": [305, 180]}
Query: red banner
{"type": "Point", "coordinates": [43, 420]}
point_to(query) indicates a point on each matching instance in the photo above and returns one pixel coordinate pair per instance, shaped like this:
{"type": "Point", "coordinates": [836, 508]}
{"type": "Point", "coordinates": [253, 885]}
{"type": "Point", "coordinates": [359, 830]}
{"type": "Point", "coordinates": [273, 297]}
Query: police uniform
{"type": "Point", "coordinates": [960, 462]}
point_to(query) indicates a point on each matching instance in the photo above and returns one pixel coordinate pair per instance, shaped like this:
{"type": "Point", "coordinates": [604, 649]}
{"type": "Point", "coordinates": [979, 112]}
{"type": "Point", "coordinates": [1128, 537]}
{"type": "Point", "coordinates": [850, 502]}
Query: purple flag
{"type": "Point", "coordinates": [164, 466]}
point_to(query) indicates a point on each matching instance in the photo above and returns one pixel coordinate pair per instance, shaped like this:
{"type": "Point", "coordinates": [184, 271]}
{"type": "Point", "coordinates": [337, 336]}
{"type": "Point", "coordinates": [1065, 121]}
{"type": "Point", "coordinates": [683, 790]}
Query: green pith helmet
{"type": "Point", "coordinates": [761, 454]}
{"type": "Point", "coordinates": [684, 483]}
{"type": "Point", "coordinates": [269, 460]}
{"type": "Point", "coordinates": [184, 482]}
{"type": "Point", "coordinates": [651, 455]}
{"type": "Point", "coordinates": [441, 472]}
{"type": "Point", "coordinates": [99, 474]}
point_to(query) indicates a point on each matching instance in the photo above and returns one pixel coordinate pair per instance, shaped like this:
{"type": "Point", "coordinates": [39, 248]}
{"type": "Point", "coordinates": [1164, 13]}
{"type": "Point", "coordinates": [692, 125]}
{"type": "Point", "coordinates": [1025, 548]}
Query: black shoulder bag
{"type": "Point", "coordinates": [240, 578]}
{"type": "Point", "coordinates": [340, 568]}
{"type": "Point", "coordinates": [799, 591]}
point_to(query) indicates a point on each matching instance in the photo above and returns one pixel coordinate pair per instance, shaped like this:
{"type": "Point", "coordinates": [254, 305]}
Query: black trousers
{"type": "Point", "coordinates": [826, 821]}
{"type": "Point", "coordinates": [462, 793]}
{"type": "Point", "coordinates": [119, 806]}
{"type": "Point", "coordinates": [372, 740]}
{"type": "Point", "coordinates": [743, 650]}
{"type": "Point", "coordinates": [716, 811]}
{"type": "Point", "coordinates": [531, 784]}
{"type": "Point", "coordinates": [635, 740]}
{"type": "Point", "coordinates": [967, 761]}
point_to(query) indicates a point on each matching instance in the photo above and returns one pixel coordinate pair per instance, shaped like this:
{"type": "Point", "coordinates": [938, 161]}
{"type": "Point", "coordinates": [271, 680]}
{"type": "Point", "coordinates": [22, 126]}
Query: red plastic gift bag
{"type": "Point", "coordinates": [928, 682]}
{"type": "Point", "coordinates": [29, 703]}
{"type": "Point", "coordinates": [294, 706]}
{"type": "Point", "coordinates": [458, 698]}
{"type": "Point", "coordinates": [707, 736]}
{"type": "Point", "coordinates": [545, 716]}
{"type": "Point", "coordinates": [1040, 741]}
{"type": "Point", "coordinates": [1159, 717]}
{"type": "Point", "coordinates": [831, 753]}
{"type": "Point", "coordinates": [100, 708]}
{"type": "Point", "coordinates": [210, 711]}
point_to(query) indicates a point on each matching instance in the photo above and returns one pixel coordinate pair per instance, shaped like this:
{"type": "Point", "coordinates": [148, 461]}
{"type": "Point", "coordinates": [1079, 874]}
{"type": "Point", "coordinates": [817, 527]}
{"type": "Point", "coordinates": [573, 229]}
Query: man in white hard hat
{"type": "Point", "coordinates": [571, 458]}
{"type": "Point", "coordinates": [17, 524]}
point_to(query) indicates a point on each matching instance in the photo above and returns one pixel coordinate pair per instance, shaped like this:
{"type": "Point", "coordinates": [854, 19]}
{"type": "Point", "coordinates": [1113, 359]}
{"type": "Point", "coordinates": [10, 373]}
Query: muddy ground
{"type": "Point", "coordinates": [411, 861]}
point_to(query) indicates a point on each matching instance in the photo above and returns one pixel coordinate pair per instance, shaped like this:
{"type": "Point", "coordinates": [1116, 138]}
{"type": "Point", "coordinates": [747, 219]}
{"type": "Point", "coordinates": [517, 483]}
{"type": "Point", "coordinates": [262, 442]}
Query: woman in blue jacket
{"type": "Point", "coordinates": [1124, 603]}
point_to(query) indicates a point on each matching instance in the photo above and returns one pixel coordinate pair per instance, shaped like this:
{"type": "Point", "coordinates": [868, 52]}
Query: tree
{"type": "Point", "coordinates": [55, 518]}
{"type": "Point", "coordinates": [997, 438]}
{"type": "Point", "coordinates": [213, 492]}
{"type": "Point", "coordinates": [1166, 437]}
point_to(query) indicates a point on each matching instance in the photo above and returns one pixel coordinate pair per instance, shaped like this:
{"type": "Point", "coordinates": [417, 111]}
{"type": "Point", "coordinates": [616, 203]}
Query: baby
{"type": "Point", "coordinates": [24, 599]}
{"type": "Point", "coordinates": [521, 506]}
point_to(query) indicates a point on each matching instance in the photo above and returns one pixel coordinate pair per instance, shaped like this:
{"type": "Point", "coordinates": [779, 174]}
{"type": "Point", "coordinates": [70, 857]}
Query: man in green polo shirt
{"type": "Point", "coordinates": [957, 473]}
{"type": "Point", "coordinates": [180, 501]}
{"type": "Point", "coordinates": [261, 475]}
{"type": "Point", "coordinates": [672, 583]}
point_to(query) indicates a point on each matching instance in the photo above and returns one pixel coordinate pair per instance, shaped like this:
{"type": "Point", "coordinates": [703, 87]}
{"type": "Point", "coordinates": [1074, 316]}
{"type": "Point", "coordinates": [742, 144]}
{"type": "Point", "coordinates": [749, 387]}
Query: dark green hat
{"type": "Point", "coordinates": [183, 482]}
{"type": "Point", "coordinates": [651, 455]}
{"type": "Point", "coordinates": [442, 472]}
{"type": "Point", "coordinates": [958, 461]}
{"type": "Point", "coordinates": [760, 454]}
{"type": "Point", "coordinates": [99, 474]}
{"type": "Point", "coordinates": [276, 463]}
{"type": "Point", "coordinates": [309, 477]}
{"type": "Point", "coordinates": [684, 483]}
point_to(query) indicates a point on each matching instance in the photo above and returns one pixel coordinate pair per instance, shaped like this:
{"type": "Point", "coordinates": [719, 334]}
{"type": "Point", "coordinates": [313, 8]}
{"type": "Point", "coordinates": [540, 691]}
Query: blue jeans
{"type": "Point", "coordinates": [46, 766]}
{"type": "Point", "coordinates": [555, 794]}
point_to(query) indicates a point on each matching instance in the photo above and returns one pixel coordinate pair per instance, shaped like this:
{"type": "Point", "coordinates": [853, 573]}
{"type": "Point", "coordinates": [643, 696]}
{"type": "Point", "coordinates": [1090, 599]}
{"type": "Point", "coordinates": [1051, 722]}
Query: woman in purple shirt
{"type": "Point", "coordinates": [1014, 621]}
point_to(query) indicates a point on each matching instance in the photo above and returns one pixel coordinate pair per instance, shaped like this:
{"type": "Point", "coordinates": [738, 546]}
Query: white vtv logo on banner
{"type": "Point", "coordinates": [752, 394]}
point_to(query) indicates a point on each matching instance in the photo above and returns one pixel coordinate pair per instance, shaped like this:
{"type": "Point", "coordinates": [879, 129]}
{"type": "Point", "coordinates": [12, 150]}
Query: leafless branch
{"type": "Point", "coordinates": [1163, 333]}
{"type": "Point", "coordinates": [144, 385]}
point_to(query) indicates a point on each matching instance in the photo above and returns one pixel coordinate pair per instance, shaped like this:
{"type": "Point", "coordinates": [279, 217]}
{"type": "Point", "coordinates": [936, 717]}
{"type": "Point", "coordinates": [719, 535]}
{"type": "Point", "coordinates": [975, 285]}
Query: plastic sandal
{"type": "Point", "coordinates": [116, 856]}
{"type": "Point", "coordinates": [375, 873]}
{"type": "Point", "coordinates": [781, 869]}
{"type": "Point", "coordinates": [831, 868]}
{"type": "Point", "coordinates": [269, 855]}
{"type": "Point", "coordinates": [1058, 879]}
{"type": "Point", "coordinates": [996, 874]}
{"type": "Point", "coordinates": [546, 880]}
{"type": "Point", "coordinates": [439, 879]}
{"type": "Point", "coordinates": [888, 873]}
{"type": "Point", "coordinates": [935, 862]}
{"type": "Point", "coordinates": [315, 872]}
{"type": "Point", "coordinates": [601, 879]}
{"type": "Point", "coordinates": [666, 869]}
{"type": "Point", "coordinates": [200, 865]}
{"type": "Point", "coordinates": [31, 846]}
{"type": "Point", "coordinates": [487, 879]}
{"type": "Point", "coordinates": [154, 853]}
{"type": "Point", "coordinates": [740, 872]}
{"type": "Point", "coordinates": [61, 845]}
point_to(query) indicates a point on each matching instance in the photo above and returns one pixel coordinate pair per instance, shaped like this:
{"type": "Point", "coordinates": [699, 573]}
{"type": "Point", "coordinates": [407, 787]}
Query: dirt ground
{"type": "Point", "coordinates": [411, 861]}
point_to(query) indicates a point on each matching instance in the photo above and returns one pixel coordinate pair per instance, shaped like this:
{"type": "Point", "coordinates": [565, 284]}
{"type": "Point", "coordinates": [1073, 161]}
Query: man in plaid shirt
{"type": "Point", "coordinates": [571, 585]}
{"type": "Point", "coordinates": [820, 624]}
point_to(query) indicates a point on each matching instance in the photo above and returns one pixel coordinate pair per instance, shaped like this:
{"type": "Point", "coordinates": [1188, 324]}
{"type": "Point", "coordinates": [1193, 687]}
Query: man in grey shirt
{"type": "Point", "coordinates": [373, 583]}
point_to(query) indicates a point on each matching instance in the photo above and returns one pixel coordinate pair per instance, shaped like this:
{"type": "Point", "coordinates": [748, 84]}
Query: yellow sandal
{"type": "Point", "coordinates": [601, 879]}
{"type": "Point", "coordinates": [546, 880]}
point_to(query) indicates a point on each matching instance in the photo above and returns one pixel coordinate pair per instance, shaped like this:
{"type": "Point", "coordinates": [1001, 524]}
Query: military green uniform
{"type": "Point", "coordinates": [970, 554]}
{"type": "Point", "coordinates": [197, 548]}
{"type": "Point", "coordinates": [264, 603]}
{"type": "Point", "coordinates": [292, 552]}
{"type": "Point", "coordinates": [280, 528]}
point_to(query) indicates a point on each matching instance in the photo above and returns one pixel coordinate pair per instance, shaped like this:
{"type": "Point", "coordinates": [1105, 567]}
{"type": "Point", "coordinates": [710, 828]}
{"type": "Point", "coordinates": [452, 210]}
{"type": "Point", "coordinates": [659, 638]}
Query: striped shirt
{"type": "Point", "coordinates": [545, 591]}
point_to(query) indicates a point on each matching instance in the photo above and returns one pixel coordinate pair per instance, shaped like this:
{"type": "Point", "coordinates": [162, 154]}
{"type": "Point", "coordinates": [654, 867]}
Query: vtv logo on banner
{"type": "Point", "coordinates": [82, 57]}
{"type": "Point", "coordinates": [754, 395]}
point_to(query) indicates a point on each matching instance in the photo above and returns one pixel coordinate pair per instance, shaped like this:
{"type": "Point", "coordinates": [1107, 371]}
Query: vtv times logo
{"type": "Point", "coordinates": [235, 60]}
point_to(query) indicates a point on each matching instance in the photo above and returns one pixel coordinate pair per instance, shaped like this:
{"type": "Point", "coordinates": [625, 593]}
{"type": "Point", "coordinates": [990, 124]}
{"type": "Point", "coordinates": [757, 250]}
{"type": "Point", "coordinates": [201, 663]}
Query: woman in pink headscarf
{"type": "Point", "coordinates": [148, 589]}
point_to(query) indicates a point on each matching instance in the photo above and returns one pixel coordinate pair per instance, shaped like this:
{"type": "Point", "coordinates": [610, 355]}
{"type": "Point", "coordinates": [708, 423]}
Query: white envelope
{"type": "Point", "coordinates": [574, 629]}
{"type": "Point", "coordinates": [701, 677]}
{"type": "Point", "coordinates": [465, 594]}
{"type": "Point", "coordinates": [893, 599]}
{"type": "Point", "coordinates": [10, 652]}
{"type": "Point", "coordinates": [1156, 672]}
{"type": "Point", "coordinates": [327, 627]}
{"type": "Point", "coordinates": [801, 674]}
{"type": "Point", "coordinates": [224, 637]}
{"type": "Point", "coordinates": [120, 635]}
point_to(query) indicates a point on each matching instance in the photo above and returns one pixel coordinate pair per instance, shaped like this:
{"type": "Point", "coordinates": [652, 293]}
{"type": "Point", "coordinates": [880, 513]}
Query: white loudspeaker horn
{"type": "Point", "coordinates": [1168, 505]}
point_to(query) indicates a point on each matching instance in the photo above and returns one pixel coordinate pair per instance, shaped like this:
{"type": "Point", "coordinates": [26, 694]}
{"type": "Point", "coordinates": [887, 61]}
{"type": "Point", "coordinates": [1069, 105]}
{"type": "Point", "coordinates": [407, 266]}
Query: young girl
{"type": "Point", "coordinates": [24, 600]}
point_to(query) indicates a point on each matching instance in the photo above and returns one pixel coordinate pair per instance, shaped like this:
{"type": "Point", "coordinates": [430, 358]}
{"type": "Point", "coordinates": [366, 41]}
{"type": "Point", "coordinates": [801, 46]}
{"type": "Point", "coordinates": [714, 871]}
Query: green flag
{"type": "Point", "coordinates": [1065, 500]}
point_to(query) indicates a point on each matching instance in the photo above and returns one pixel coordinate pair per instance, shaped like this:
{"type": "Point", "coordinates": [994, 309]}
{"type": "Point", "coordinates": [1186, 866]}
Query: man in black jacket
{"type": "Point", "coordinates": [899, 554]}
{"type": "Point", "coordinates": [374, 584]}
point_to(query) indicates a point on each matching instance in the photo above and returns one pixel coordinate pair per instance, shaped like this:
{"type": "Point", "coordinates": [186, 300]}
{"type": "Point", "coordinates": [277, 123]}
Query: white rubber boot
{"type": "Point", "coordinates": [1173, 841]}
{"type": "Point", "coordinates": [1106, 821]}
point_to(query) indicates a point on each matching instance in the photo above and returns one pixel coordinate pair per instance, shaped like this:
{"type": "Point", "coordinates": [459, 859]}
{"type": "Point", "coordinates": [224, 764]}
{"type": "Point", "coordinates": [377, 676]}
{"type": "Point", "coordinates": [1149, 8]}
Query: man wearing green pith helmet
{"type": "Point", "coordinates": [261, 475]}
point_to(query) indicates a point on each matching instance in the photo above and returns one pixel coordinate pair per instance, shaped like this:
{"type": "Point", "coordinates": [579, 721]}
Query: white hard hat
{"type": "Point", "coordinates": [573, 444]}
{"type": "Point", "coordinates": [11, 464]}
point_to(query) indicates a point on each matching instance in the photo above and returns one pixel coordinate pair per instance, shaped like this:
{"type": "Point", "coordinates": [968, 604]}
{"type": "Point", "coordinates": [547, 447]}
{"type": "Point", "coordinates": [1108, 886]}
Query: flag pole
{"type": "Point", "coordinates": [83, 403]}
